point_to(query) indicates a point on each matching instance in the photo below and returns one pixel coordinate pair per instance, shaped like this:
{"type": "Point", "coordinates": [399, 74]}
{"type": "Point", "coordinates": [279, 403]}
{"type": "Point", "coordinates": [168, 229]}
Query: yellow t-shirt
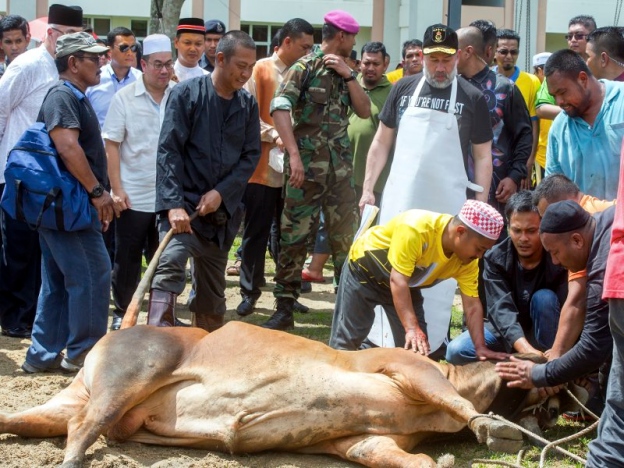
{"type": "Point", "coordinates": [528, 85]}
{"type": "Point", "coordinates": [395, 75]}
{"type": "Point", "coordinates": [411, 243]}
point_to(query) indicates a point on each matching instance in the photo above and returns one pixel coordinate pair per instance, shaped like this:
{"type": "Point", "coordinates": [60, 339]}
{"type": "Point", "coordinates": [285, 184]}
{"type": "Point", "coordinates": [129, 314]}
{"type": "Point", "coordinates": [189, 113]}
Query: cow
{"type": "Point", "coordinates": [245, 389]}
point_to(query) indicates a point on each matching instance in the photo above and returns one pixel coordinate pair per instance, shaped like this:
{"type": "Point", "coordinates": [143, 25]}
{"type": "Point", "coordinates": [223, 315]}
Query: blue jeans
{"type": "Point", "coordinates": [544, 310]}
{"type": "Point", "coordinates": [72, 309]}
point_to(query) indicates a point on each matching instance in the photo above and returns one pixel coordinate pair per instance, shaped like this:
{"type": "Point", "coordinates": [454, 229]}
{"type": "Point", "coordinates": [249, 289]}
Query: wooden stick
{"type": "Point", "coordinates": [132, 313]}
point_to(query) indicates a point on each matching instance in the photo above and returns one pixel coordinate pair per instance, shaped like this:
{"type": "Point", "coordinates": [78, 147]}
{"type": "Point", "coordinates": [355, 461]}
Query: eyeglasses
{"type": "Point", "coordinates": [69, 31]}
{"type": "Point", "coordinates": [159, 65]}
{"type": "Point", "coordinates": [512, 52]}
{"type": "Point", "coordinates": [123, 48]}
{"type": "Point", "coordinates": [577, 36]}
{"type": "Point", "coordinates": [88, 57]}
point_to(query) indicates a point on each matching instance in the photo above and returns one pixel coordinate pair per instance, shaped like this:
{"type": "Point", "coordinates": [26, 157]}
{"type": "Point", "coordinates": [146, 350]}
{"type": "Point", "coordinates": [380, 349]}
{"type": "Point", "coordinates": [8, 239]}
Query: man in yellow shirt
{"type": "Point", "coordinates": [412, 62]}
{"type": "Point", "coordinates": [390, 263]}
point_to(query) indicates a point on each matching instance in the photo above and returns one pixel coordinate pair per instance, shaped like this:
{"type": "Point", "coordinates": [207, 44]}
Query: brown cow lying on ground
{"type": "Point", "coordinates": [246, 389]}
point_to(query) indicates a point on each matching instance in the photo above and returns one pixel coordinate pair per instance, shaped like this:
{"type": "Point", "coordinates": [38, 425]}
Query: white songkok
{"type": "Point", "coordinates": [156, 43]}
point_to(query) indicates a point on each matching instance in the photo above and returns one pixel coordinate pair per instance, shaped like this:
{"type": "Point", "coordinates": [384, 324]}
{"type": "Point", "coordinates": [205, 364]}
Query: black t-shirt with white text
{"type": "Point", "coordinates": [471, 110]}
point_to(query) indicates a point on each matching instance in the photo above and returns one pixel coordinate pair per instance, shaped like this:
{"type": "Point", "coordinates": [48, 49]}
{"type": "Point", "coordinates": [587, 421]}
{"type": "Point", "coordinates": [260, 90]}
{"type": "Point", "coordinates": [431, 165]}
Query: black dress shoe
{"type": "Point", "coordinates": [116, 323]}
{"type": "Point", "coordinates": [306, 287]}
{"type": "Point", "coordinates": [180, 323]}
{"type": "Point", "coordinates": [19, 332]}
{"type": "Point", "coordinates": [246, 307]}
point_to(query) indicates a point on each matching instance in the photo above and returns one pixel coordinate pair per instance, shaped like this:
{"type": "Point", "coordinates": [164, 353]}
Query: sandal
{"type": "Point", "coordinates": [306, 276]}
{"type": "Point", "coordinates": [234, 269]}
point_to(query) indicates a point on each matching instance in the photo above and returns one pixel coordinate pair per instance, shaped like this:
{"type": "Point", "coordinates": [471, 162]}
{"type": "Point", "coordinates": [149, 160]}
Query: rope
{"type": "Point", "coordinates": [536, 437]}
{"type": "Point", "coordinates": [618, 11]}
{"type": "Point", "coordinates": [527, 42]}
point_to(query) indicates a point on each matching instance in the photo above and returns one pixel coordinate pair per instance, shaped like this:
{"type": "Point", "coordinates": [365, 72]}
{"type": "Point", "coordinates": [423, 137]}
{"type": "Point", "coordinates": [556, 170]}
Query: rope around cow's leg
{"type": "Point", "coordinates": [529, 433]}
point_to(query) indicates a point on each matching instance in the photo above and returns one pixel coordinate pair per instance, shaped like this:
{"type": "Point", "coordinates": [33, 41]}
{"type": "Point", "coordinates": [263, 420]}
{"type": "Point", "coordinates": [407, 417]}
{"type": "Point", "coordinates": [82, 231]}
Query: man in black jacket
{"type": "Point", "coordinates": [575, 240]}
{"type": "Point", "coordinates": [524, 289]}
{"type": "Point", "coordinates": [209, 147]}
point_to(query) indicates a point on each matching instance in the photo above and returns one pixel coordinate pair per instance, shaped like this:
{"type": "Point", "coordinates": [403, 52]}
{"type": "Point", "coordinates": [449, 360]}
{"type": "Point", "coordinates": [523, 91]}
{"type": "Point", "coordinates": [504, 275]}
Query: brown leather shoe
{"type": "Point", "coordinates": [208, 322]}
{"type": "Point", "coordinates": [161, 308]}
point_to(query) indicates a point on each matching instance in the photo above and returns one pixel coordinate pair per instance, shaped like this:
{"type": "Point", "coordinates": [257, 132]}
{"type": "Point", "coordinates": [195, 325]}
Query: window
{"type": "Point", "coordinates": [101, 26]}
{"type": "Point", "coordinates": [139, 28]}
{"type": "Point", "coordinates": [262, 34]}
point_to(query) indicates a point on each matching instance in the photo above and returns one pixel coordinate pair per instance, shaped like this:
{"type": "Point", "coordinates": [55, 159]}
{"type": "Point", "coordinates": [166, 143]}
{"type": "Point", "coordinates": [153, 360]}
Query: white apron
{"type": "Point", "coordinates": [427, 173]}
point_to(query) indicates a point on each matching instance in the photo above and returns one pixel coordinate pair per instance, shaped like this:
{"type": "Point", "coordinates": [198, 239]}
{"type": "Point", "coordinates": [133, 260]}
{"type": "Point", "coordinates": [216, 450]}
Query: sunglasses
{"type": "Point", "coordinates": [577, 36]}
{"type": "Point", "coordinates": [123, 48]}
{"type": "Point", "coordinates": [513, 52]}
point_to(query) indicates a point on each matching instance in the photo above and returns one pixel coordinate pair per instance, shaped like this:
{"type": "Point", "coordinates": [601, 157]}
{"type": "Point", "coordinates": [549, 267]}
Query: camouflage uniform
{"type": "Point", "coordinates": [319, 101]}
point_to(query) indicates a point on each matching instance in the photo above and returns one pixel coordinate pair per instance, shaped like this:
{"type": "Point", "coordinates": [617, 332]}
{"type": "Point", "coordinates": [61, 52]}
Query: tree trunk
{"type": "Point", "coordinates": [170, 10]}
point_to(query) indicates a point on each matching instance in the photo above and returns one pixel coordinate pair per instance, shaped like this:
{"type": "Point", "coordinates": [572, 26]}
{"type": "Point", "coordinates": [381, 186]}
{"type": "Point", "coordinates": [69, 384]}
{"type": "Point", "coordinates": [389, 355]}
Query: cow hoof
{"type": "Point", "coordinates": [504, 445]}
{"type": "Point", "coordinates": [72, 464]}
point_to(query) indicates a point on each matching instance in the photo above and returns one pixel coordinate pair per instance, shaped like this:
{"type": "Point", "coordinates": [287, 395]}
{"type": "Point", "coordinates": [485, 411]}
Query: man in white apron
{"type": "Point", "coordinates": [437, 121]}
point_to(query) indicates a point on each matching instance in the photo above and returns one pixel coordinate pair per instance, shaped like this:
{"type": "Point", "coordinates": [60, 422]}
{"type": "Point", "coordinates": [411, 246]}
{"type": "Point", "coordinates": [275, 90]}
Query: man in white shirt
{"type": "Point", "coordinates": [23, 86]}
{"type": "Point", "coordinates": [130, 134]}
{"type": "Point", "coordinates": [118, 73]}
{"type": "Point", "coordinates": [189, 42]}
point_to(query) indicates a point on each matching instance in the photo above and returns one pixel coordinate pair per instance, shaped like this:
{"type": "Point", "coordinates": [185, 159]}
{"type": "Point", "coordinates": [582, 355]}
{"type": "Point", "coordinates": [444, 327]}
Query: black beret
{"type": "Point", "coordinates": [563, 216]}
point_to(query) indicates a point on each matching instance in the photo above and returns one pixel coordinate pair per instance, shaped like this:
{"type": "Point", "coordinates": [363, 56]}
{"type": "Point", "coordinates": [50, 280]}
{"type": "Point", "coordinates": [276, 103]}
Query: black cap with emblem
{"type": "Point", "coordinates": [440, 38]}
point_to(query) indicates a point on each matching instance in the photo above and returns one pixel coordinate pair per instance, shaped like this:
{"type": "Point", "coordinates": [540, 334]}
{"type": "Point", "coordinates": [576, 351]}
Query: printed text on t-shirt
{"type": "Point", "coordinates": [428, 102]}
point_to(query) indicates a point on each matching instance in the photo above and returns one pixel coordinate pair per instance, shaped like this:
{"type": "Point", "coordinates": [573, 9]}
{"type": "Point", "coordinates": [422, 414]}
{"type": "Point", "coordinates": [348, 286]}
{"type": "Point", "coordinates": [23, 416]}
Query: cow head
{"type": "Point", "coordinates": [538, 413]}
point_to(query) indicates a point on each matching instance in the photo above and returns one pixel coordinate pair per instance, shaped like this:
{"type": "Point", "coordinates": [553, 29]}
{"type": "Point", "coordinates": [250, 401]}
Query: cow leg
{"type": "Point", "coordinates": [49, 419]}
{"type": "Point", "coordinates": [429, 385]}
{"type": "Point", "coordinates": [375, 451]}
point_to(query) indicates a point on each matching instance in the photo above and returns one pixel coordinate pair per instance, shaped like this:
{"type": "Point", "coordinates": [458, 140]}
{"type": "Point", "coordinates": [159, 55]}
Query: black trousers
{"type": "Point", "coordinates": [262, 205]}
{"type": "Point", "coordinates": [20, 272]}
{"type": "Point", "coordinates": [135, 231]}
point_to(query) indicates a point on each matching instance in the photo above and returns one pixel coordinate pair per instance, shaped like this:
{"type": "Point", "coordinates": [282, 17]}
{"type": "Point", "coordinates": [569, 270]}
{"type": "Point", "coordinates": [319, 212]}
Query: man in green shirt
{"type": "Point", "coordinates": [362, 131]}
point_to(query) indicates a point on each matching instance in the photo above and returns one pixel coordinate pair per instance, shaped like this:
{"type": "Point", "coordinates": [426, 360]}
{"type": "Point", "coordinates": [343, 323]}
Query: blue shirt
{"type": "Point", "coordinates": [101, 95]}
{"type": "Point", "coordinates": [590, 155]}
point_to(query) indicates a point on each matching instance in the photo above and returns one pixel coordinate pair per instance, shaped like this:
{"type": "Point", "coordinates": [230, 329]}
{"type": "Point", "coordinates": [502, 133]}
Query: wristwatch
{"type": "Point", "coordinates": [97, 191]}
{"type": "Point", "coordinates": [350, 78]}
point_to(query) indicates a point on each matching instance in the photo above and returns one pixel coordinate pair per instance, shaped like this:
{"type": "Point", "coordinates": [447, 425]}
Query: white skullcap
{"type": "Point", "coordinates": [156, 43]}
{"type": "Point", "coordinates": [540, 59]}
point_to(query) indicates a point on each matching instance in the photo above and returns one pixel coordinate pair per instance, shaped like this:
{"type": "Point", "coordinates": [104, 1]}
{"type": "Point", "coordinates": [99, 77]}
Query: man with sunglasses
{"type": "Point", "coordinates": [130, 134]}
{"type": "Point", "coordinates": [506, 56]}
{"type": "Point", "coordinates": [118, 73]}
{"type": "Point", "coordinates": [23, 86]}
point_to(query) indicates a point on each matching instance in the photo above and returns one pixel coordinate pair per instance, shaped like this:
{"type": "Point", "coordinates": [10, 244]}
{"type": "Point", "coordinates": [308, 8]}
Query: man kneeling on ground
{"type": "Point", "coordinates": [390, 263]}
{"type": "Point", "coordinates": [524, 289]}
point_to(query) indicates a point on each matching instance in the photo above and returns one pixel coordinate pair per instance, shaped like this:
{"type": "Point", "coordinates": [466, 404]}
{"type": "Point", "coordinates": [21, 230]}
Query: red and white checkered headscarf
{"type": "Point", "coordinates": [482, 218]}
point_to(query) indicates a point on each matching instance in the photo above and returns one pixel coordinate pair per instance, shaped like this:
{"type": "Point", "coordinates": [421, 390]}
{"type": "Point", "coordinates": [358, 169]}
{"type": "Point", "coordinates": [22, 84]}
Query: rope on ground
{"type": "Point", "coordinates": [587, 430]}
{"type": "Point", "coordinates": [483, 461]}
{"type": "Point", "coordinates": [530, 434]}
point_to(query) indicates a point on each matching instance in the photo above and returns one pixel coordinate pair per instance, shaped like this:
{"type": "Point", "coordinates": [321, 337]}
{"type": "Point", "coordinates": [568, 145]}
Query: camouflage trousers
{"type": "Point", "coordinates": [300, 219]}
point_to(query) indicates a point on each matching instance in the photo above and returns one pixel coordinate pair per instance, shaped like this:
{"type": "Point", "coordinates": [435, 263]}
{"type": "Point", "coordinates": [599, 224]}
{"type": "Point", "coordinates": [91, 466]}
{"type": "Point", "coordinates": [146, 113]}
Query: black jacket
{"type": "Point", "coordinates": [509, 290]}
{"type": "Point", "coordinates": [200, 150]}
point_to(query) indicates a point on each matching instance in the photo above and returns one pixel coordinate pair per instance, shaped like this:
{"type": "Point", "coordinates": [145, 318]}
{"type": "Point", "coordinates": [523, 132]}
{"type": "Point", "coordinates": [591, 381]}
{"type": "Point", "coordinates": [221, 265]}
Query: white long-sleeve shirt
{"type": "Point", "coordinates": [23, 87]}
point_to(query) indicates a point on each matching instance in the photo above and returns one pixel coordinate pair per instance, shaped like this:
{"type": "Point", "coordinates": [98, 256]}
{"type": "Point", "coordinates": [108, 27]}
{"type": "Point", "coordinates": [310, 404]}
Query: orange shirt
{"type": "Point", "coordinates": [267, 75]}
{"type": "Point", "coordinates": [592, 205]}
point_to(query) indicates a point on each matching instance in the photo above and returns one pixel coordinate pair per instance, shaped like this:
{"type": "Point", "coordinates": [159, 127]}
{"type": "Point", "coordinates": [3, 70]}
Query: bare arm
{"type": "Point", "coordinates": [402, 298]}
{"type": "Point", "coordinates": [120, 196]}
{"type": "Point", "coordinates": [526, 183]}
{"type": "Point", "coordinates": [375, 162]}
{"type": "Point", "coordinates": [283, 125]}
{"type": "Point", "coordinates": [547, 111]}
{"type": "Point", "coordinates": [473, 311]}
{"type": "Point", "coordinates": [482, 154]}
{"type": "Point", "coordinates": [571, 319]}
